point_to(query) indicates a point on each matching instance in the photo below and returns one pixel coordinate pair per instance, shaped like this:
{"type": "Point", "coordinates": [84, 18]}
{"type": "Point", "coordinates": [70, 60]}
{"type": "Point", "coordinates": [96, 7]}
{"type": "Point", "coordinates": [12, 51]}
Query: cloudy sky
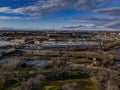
{"type": "Point", "coordinates": [60, 14]}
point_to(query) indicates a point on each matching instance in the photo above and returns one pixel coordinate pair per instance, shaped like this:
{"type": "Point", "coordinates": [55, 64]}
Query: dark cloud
{"type": "Point", "coordinates": [90, 4]}
{"type": "Point", "coordinates": [106, 22]}
{"type": "Point", "coordinates": [114, 11]}
{"type": "Point", "coordinates": [102, 19]}
{"type": "Point", "coordinates": [71, 26]}
{"type": "Point", "coordinates": [115, 25]}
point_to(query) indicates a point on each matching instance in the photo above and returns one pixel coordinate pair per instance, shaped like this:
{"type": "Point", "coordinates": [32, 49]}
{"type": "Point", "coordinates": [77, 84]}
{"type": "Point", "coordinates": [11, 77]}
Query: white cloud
{"type": "Point", "coordinates": [5, 10]}
{"type": "Point", "coordinates": [42, 7]}
{"type": "Point", "coordinates": [9, 18]}
{"type": "Point", "coordinates": [16, 18]}
{"type": "Point", "coordinates": [49, 6]}
{"type": "Point", "coordinates": [86, 25]}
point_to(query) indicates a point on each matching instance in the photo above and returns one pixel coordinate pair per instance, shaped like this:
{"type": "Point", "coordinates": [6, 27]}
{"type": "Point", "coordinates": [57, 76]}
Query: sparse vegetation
{"type": "Point", "coordinates": [80, 60]}
{"type": "Point", "coordinates": [77, 61]}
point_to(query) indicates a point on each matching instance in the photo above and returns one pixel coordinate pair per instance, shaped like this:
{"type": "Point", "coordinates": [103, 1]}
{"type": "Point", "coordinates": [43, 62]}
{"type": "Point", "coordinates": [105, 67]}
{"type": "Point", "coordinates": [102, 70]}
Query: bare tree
{"type": "Point", "coordinates": [34, 83]}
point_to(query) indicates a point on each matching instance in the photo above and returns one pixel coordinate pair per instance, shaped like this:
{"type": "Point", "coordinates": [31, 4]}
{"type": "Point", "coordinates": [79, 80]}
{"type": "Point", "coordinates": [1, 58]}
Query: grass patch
{"type": "Point", "coordinates": [15, 86]}
{"type": "Point", "coordinates": [80, 61]}
{"type": "Point", "coordinates": [51, 87]}
{"type": "Point", "coordinates": [84, 84]}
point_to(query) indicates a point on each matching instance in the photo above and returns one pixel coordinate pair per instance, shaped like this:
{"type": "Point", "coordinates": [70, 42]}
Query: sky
{"type": "Point", "coordinates": [60, 14]}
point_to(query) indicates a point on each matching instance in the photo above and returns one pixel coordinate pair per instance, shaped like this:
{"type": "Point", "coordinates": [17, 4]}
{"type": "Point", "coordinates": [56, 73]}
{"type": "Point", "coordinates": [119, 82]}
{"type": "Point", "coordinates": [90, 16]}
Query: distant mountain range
{"type": "Point", "coordinates": [30, 29]}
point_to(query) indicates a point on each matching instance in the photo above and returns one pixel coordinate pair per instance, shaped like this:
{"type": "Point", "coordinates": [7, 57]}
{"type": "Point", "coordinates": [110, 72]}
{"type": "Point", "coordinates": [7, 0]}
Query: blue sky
{"type": "Point", "coordinates": [60, 14]}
